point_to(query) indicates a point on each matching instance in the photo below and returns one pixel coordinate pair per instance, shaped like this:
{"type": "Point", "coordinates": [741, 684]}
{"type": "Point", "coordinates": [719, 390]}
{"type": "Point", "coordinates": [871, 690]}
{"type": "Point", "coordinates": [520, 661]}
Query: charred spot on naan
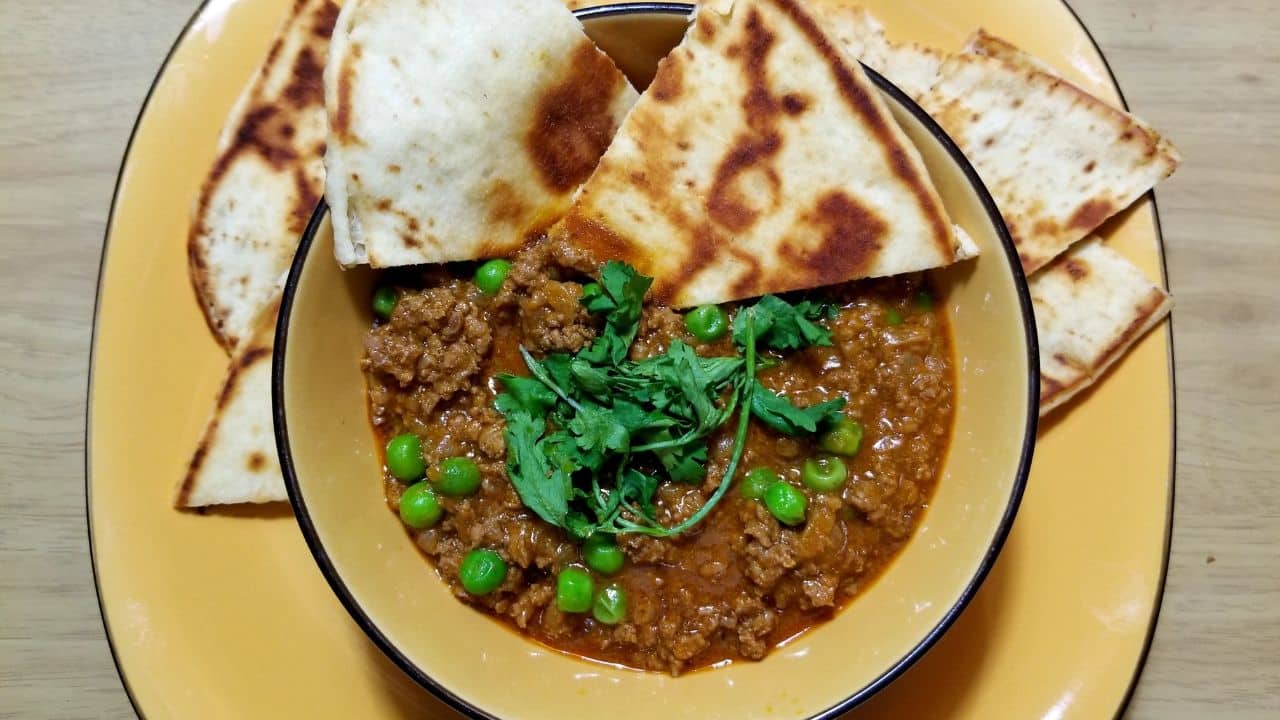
{"type": "Point", "coordinates": [183, 498]}
{"type": "Point", "coordinates": [573, 121]}
{"type": "Point", "coordinates": [340, 122]}
{"type": "Point", "coordinates": [727, 203]}
{"type": "Point", "coordinates": [850, 235]}
{"type": "Point", "coordinates": [705, 25]}
{"type": "Point", "coordinates": [794, 103]}
{"type": "Point", "coordinates": [759, 103]}
{"type": "Point", "coordinates": [1073, 363]}
{"type": "Point", "coordinates": [306, 83]}
{"type": "Point", "coordinates": [326, 18]}
{"type": "Point", "coordinates": [1076, 270]}
{"type": "Point", "coordinates": [304, 204]}
{"type": "Point", "coordinates": [256, 462]}
{"type": "Point", "coordinates": [668, 82]}
{"type": "Point", "coordinates": [1091, 214]}
{"type": "Point", "coordinates": [505, 204]}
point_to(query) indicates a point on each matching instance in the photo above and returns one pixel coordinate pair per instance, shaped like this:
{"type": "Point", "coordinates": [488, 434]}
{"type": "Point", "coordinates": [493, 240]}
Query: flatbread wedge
{"type": "Point", "coordinates": [1058, 161]}
{"type": "Point", "coordinates": [760, 160]}
{"type": "Point", "coordinates": [457, 129]}
{"type": "Point", "coordinates": [236, 461]}
{"type": "Point", "coordinates": [1091, 306]}
{"type": "Point", "coordinates": [267, 179]}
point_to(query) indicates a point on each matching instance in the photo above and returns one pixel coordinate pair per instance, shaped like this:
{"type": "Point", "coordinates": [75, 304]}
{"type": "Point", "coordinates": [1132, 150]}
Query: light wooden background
{"type": "Point", "coordinates": [74, 72]}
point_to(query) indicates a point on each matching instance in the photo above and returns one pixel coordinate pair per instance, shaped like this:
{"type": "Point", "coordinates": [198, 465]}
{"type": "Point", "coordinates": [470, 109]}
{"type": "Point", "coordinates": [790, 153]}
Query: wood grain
{"type": "Point", "coordinates": [73, 74]}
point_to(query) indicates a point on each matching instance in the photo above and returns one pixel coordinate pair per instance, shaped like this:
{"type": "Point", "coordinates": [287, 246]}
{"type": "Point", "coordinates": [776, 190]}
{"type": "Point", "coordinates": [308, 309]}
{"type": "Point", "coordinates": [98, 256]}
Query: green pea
{"type": "Point", "coordinates": [491, 275]}
{"type": "Point", "coordinates": [384, 301]}
{"type": "Point", "coordinates": [707, 323]}
{"type": "Point", "coordinates": [602, 554]}
{"type": "Point", "coordinates": [823, 474]}
{"type": "Point", "coordinates": [404, 457]}
{"type": "Point", "coordinates": [757, 481]}
{"type": "Point", "coordinates": [924, 300]}
{"type": "Point", "coordinates": [419, 507]}
{"type": "Point", "coordinates": [574, 589]}
{"type": "Point", "coordinates": [457, 477]}
{"type": "Point", "coordinates": [894, 317]}
{"type": "Point", "coordinates": [786, 503]}
{"type": "Point", "coordinates": [844, 437]}
{"type": "Point", "coordinates": [610, 606]}
{"type": "Point", "coordinates": [482, 571]}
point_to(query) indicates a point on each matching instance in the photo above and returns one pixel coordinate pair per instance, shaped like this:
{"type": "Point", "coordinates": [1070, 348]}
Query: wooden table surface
{"type": "Point", "coordinates": [1207, 72]}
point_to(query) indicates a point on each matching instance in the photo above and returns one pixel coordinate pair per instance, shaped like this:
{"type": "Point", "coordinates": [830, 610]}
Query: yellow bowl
{"type": "Point", "coordinates": [482, 668]}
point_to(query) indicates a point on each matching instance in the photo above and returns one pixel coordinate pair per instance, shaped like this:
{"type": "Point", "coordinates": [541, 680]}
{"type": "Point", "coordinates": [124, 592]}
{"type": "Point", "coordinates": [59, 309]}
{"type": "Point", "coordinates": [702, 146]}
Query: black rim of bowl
{"type": "Point", "coordinates": [897, 668]}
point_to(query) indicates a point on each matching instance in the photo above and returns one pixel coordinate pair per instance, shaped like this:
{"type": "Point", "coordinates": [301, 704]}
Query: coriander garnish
{"type": "Point", "coordinates": [582, 427]}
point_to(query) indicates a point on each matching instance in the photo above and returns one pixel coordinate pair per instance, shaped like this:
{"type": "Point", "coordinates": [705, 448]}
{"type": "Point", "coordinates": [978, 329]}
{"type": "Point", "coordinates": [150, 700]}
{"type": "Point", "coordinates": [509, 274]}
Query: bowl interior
{"type": "Point", "coordinates": [477, 664]}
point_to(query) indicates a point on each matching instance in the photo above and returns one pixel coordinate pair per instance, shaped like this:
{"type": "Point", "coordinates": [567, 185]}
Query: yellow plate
{"type": "Point", "coordinates": [227, 615]}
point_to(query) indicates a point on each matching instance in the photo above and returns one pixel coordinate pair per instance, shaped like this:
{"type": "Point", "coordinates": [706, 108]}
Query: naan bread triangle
{"type": "Point", "coordinates": [760, 160]}
{"type": "Point", "coordinates": [236, 460]}
{"type": "Point", "coordinates": [458, 128]}
{"type": "Point", "coordinates": [267, 179]}
{"type": "Point", "coordinates": [1058, 161]}
{"type": "Point", "coordinates": [1091, 306]}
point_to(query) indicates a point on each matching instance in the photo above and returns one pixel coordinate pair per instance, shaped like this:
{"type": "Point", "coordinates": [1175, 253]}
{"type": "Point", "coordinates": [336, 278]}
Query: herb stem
{"type": "Point", "coordinates": [740, 440]}
{"type": "Point", "coordinates": [536, 369]}
{"type": "Point", "coordinates": [684, 439]}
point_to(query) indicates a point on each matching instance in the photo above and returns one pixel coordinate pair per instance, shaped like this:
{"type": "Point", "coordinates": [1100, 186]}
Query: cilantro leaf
{"type": "Point", "coordinates": [542, 488]}
{"type": "Point", "coordinates": [637, 490]}
{"type": "Point", "coordinates": [578, 525]}
{"type": "Point", "coordinates": [779, 325]}
{"type": "Point", "coordinates": [593, 380]}
{"type": "Point", "coordinates": [778, 412]}
{"type": "Point", "coordinates": [595, 428]}
{"type": "Point", "coordinates": [525, 394]}
{"type": "Point", "coordinates": [686, 463]}
{"type": "Point", "coordinates": [619, 297]}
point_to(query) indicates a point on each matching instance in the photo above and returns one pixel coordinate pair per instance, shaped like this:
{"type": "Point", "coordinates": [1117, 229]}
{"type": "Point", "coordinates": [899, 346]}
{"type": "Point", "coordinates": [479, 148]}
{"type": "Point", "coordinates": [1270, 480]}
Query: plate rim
{"type": "Point", "coordinates": [145, 106]}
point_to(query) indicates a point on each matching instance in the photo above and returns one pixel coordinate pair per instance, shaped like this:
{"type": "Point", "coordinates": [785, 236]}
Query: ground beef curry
{"type": "Point", "coordinates": [745, 577]}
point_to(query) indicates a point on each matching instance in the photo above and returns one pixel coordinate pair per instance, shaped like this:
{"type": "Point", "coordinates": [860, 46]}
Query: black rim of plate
{"type": "Point", "coordinates": [604, 11]}
{"type": "Point", "coordinates": [900, 666]}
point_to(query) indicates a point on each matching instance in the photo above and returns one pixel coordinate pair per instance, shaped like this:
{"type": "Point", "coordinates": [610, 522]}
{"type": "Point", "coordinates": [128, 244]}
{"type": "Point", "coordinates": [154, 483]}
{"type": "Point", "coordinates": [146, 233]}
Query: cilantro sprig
{"type": "Point", "coordinates": [587, 434]}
